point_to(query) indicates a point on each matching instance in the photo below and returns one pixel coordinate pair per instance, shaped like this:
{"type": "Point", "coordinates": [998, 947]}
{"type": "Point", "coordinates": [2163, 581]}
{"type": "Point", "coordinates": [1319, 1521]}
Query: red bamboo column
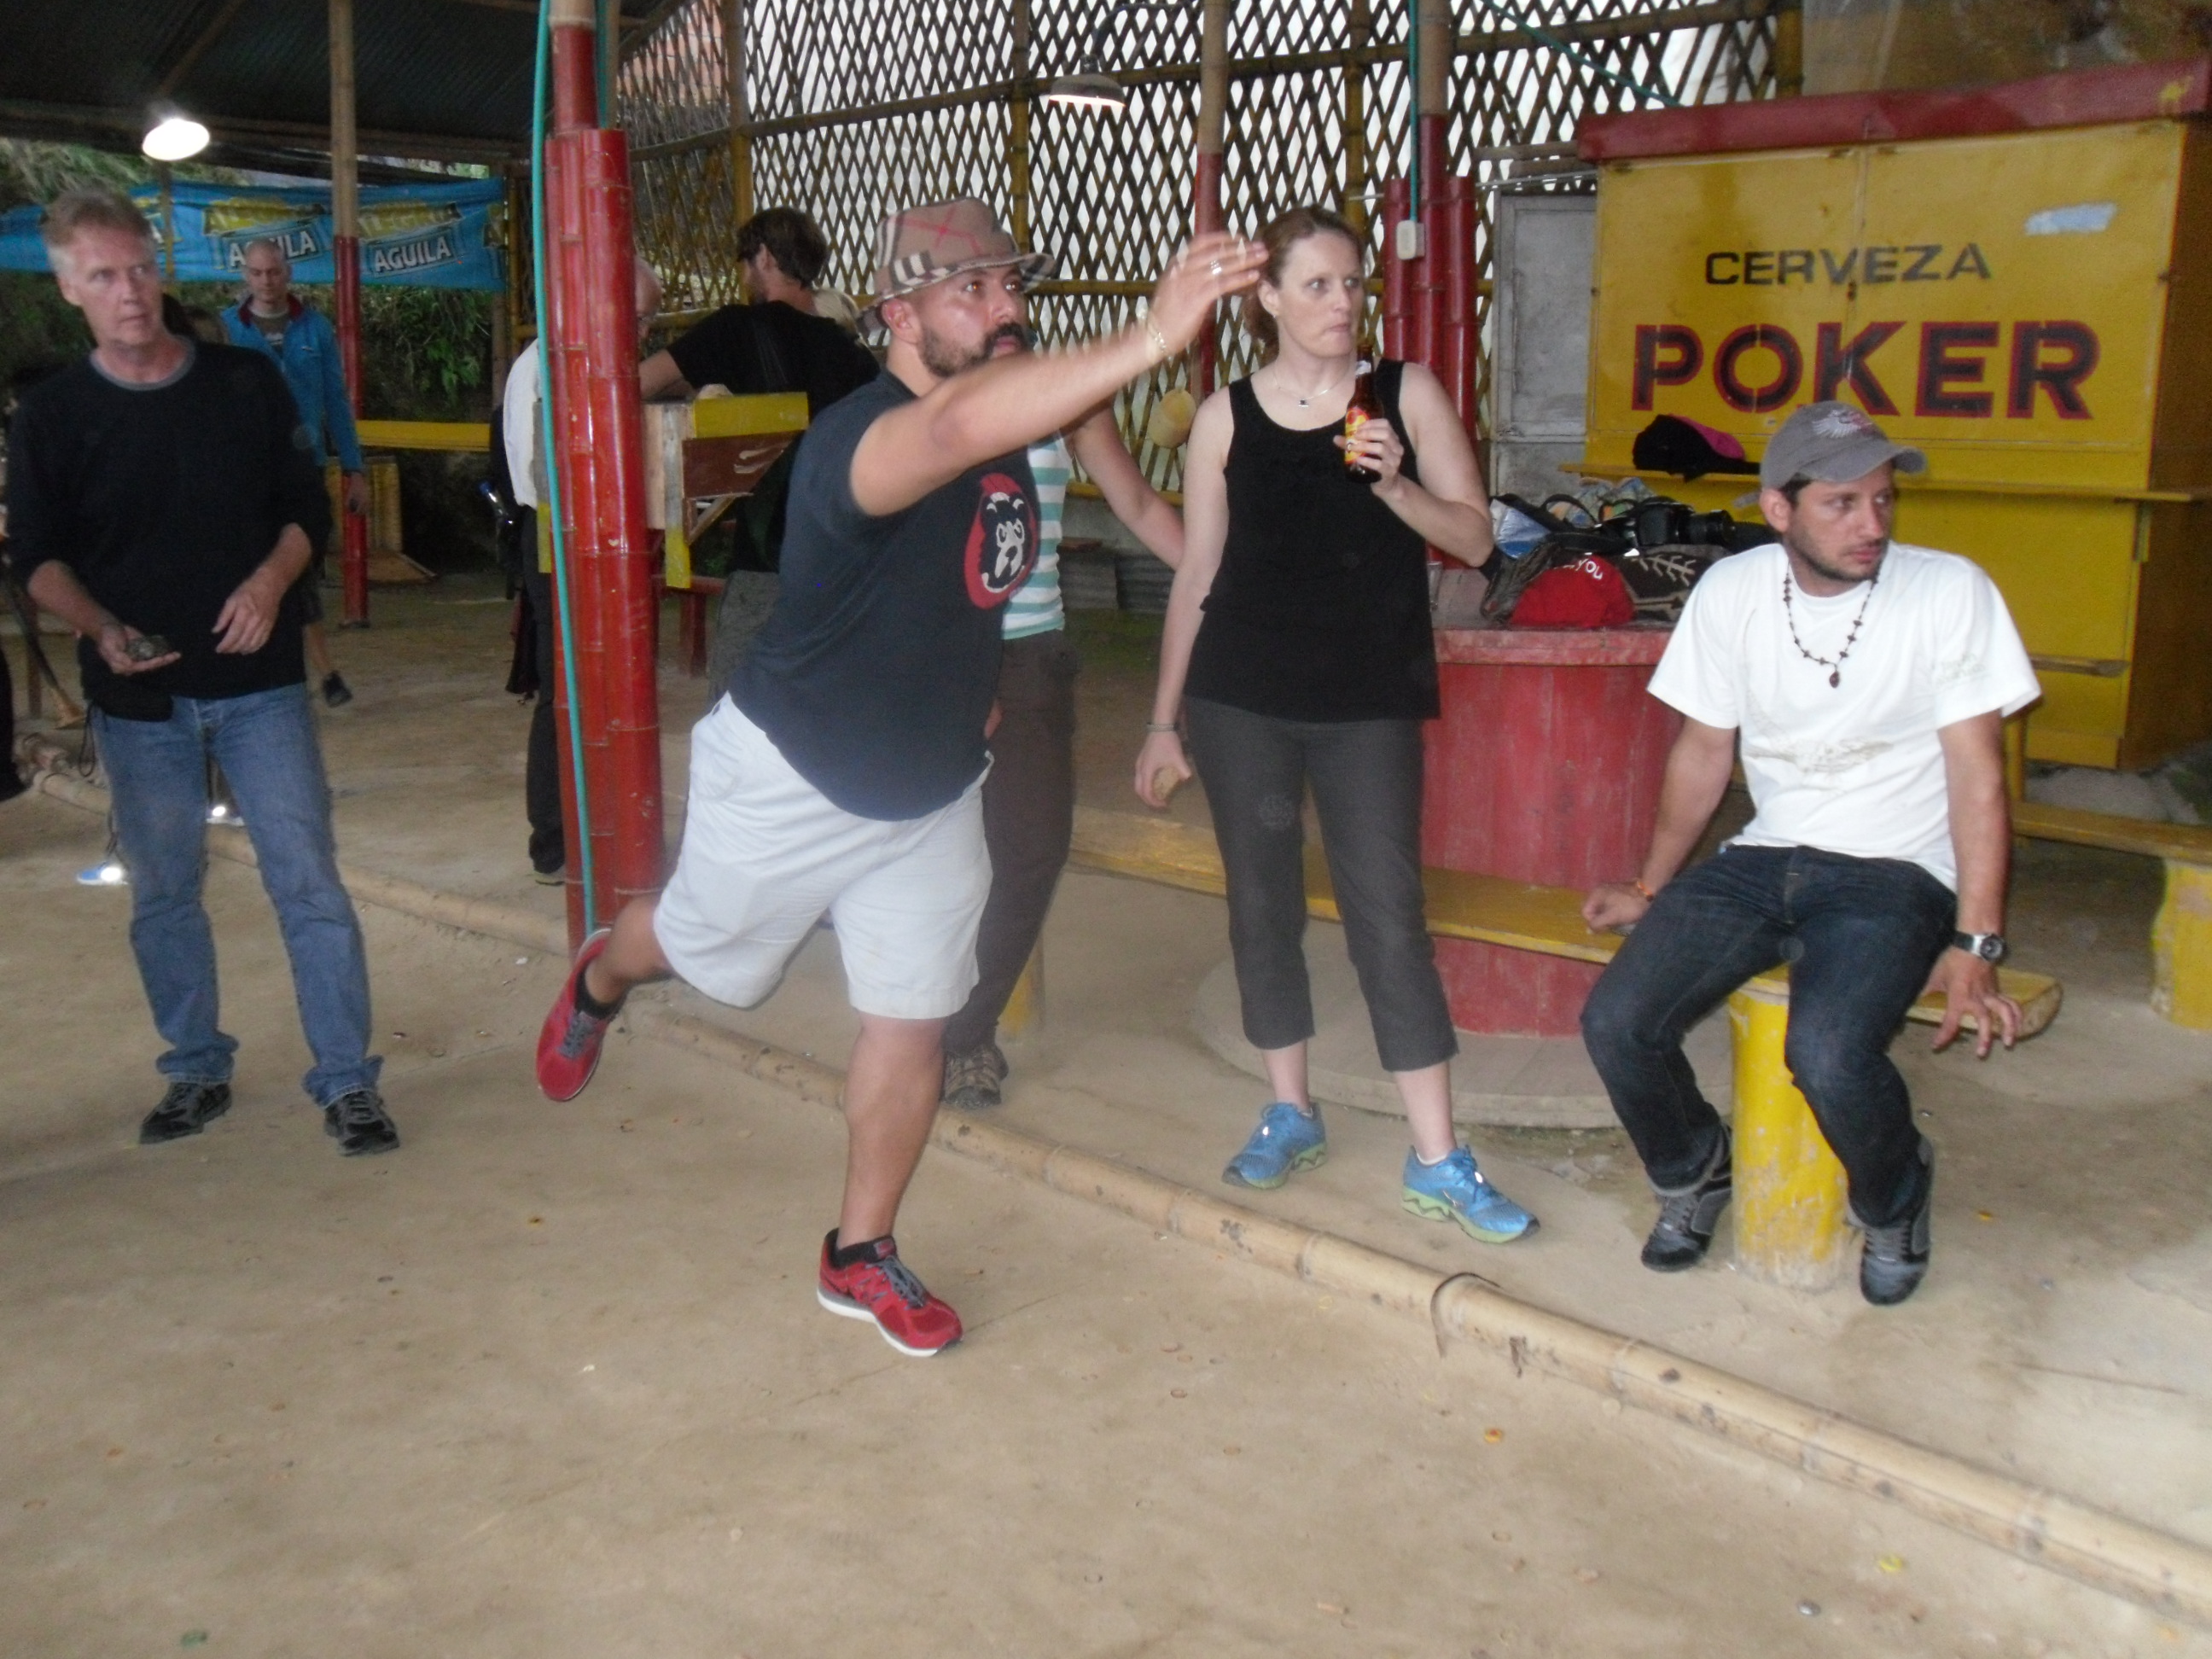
{"type": "Point", "coordinates": [1397, 275]}
{"type": "Point", "coordinates": [589, 346]}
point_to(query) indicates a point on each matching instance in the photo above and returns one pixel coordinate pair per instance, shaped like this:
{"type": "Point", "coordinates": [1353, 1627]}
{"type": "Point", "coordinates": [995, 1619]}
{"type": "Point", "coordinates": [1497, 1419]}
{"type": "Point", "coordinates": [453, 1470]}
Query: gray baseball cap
{"type": "Point", "coordinates": [1835, 443]}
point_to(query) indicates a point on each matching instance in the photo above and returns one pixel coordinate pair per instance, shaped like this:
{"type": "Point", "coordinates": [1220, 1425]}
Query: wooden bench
{"type": "Point", "coordinates": [2181, 938]}
{"type": "Point", "coordinates": [1791, 1226]}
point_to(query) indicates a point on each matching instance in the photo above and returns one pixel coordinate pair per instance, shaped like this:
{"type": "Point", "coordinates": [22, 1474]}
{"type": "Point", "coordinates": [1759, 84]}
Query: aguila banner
{"type": "Point", "coordinates": [416, 235]}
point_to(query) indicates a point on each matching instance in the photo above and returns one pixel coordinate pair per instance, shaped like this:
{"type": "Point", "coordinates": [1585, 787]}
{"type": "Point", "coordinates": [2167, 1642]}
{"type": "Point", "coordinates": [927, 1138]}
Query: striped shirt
{"type": "Point", "coordinates": [1035, 607]}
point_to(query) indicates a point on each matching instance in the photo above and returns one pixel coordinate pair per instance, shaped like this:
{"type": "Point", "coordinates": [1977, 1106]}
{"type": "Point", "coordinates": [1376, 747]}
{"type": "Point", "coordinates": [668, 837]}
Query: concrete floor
{"type": "Point", "coordinates": [550, 1380]}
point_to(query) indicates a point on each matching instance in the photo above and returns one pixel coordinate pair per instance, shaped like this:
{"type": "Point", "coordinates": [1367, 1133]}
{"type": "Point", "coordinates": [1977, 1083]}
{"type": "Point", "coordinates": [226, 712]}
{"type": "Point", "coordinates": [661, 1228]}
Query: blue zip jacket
{"type": "Point", "coordinates": [314, 371]}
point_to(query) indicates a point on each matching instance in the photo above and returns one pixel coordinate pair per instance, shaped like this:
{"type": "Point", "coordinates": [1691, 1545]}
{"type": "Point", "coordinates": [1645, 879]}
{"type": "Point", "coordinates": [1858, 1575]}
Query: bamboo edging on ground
{"type": "Point", "coordinates": [2124, 1557]}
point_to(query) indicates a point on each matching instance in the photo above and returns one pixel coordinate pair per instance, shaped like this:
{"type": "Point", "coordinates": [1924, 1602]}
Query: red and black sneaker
{"type": "Point", "coordinates": [568, 1042]}
{"type": "Point", "coordinates": [883, 1290]}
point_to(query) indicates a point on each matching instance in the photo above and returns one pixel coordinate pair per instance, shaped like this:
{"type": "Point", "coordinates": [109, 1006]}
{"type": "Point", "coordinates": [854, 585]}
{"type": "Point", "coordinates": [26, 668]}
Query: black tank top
{"type": "Point", "coordinates": [1320, 611]}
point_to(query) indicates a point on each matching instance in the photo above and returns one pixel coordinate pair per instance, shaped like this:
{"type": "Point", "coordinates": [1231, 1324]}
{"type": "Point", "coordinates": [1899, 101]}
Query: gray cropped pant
{"type": "Point", "coordinates": [1366, 781]}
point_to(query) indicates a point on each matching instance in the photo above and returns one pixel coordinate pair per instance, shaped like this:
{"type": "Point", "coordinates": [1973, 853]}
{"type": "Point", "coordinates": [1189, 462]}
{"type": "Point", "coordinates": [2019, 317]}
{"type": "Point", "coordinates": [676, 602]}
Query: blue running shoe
{"type": "Point", "coordinates": [1288, 1140]}
{"type": "Point", "coordinates": [1456, 1190]}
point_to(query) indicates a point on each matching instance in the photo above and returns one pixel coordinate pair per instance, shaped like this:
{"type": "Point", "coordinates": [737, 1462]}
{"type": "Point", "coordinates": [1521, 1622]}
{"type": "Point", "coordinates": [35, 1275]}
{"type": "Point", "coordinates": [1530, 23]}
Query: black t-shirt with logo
{"type": "Point", "coordinates": [874, 674]}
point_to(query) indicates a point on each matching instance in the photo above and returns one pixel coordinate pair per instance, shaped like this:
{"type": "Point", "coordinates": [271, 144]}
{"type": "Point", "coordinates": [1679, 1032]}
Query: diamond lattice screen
{"type": "Point", "coordinates": [855, 107]}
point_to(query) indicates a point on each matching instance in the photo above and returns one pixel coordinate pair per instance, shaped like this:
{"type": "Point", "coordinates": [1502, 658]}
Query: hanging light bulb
{"type": "Point", "coordinates": [1088, 87]}
{"type": "Point", "coordinates": [173, 136]}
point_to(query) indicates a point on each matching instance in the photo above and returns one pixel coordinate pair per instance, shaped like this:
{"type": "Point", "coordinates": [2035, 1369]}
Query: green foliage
{"type": "Point", "coordinates": [426, 354]}
{"type": "Point", "coordinates": [32, 171]}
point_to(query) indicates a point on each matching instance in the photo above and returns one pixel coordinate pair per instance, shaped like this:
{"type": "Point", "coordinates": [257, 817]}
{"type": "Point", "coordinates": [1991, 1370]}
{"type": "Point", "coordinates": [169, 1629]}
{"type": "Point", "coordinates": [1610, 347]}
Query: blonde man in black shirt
{"type": "Point", "coordinates": [162, 500]}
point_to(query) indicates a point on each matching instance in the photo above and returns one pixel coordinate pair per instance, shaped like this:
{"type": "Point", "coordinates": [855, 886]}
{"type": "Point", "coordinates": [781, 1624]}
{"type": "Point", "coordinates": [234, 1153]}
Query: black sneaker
{"type": "Point", "coordinates": [1894, 1259]}
{"type": "Point", "coordinates": [972, 1078]}
{"type": "Point", "coordinates": [360, 1125]}
{"type": "Point", "coordinates": [187, 1109]}
{"type": "Point", "coordinates": [1684, 1231]}
{"type": "Point", "coordinates": [336, 694]}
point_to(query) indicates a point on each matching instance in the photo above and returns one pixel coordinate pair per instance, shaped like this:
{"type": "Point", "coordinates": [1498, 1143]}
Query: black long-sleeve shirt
{"type": "Point", "coordinates": [162, 499]}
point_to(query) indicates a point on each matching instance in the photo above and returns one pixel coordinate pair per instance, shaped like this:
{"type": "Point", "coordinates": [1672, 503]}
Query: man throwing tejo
{"type": "Point", "coordinates": [843, 771]}
{"type": "Point", "coordinates": [1868, 681]}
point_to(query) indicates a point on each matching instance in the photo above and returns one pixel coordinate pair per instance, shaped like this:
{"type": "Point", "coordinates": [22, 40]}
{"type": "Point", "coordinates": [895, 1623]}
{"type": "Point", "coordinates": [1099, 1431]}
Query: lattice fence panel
{"type": "Point", "coordinates": [857, 105]}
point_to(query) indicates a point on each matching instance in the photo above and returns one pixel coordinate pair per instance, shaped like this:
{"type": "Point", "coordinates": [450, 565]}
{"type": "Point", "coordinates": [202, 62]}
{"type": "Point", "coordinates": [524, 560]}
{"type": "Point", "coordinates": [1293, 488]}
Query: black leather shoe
{"type": "Point", "coordinates": [187, 1109]}
{"type": "Point", "coordinates": [1894, 1259]}
{"type": "Point", "coordinates": [360, 1125]}
{"type": "Point", "coordinates": [1684, 1231]}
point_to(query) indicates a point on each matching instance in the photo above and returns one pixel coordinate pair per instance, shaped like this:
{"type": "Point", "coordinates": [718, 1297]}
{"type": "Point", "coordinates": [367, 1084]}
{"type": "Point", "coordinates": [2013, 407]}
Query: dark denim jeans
{"type": "Point", "coordinates": [1859, 935]}
{"type": "Point", "coordinates": [265, 743]}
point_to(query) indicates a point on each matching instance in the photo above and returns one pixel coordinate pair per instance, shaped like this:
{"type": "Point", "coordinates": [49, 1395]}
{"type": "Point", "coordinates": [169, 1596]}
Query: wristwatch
{"type": "Point", "coordinates": [1990, 947]}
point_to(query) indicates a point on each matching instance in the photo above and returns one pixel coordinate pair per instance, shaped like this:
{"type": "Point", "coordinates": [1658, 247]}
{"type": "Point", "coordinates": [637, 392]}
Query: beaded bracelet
{"type": "Point", "coordinates": [1648, 894]}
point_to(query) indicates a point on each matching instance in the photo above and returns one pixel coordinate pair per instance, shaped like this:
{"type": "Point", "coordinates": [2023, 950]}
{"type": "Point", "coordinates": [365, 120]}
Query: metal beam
{"type": "Point", "coordinates": [24, 118]}
{"type": "Point", "coordinates": [201, 42]}
{"type": "Point", "coordinates": [529, 9]}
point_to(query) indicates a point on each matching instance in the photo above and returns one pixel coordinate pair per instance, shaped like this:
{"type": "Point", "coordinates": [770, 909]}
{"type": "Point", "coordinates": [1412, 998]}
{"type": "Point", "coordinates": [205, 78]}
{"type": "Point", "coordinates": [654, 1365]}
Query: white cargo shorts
{"type": "Point", "coordinates": [765, 854]}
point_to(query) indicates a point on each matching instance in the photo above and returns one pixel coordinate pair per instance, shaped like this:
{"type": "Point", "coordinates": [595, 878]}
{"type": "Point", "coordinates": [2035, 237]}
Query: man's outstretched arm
{"type": "Point", "coordinates": [1004, 405]}
{"type": "Point", "coordinates": [1697, 770]}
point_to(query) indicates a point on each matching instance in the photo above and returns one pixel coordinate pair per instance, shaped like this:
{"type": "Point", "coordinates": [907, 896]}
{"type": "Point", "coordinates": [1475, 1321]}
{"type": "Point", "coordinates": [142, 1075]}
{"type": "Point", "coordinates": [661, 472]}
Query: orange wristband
{"type": "Point", "coordinates": [1648, 894]}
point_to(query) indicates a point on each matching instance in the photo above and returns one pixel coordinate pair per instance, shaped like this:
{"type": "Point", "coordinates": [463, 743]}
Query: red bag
{"type": "Point", "coordinates": [1588, 593]}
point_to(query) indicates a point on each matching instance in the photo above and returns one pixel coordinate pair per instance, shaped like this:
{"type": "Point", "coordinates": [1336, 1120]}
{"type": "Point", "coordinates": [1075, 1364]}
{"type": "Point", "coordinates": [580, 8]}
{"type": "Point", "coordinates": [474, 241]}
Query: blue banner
{"type": "Point", "coordinates": [415, 235]}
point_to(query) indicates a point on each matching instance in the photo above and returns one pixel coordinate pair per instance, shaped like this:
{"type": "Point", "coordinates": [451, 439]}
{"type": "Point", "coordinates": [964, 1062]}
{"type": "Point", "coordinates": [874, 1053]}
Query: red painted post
{"type": "Point", "coordinates": [1455, 360]}
{"type": "Point", "coordinates": [590, 347]}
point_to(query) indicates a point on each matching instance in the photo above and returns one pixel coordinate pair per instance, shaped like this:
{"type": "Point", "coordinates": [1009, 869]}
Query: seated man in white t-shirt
{"type": "Point", "coordinates": [1869, 681]}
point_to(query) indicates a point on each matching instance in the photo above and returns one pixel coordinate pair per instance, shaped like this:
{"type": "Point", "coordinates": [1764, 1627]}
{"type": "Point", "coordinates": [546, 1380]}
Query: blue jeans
{"type": "Point", "coordinates": [265, 743]}
{"type": "Point", "coordinates": [1860, 936]}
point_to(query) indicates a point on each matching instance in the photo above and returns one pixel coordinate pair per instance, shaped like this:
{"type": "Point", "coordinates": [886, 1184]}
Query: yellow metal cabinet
{"type": "Point", "coordinates": [2031, 308]}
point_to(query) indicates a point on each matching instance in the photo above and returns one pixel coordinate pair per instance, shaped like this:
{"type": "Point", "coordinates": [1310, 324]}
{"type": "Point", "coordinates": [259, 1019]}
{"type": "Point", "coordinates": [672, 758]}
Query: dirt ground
{"type": "Point", "coordinates": [550, 1380]}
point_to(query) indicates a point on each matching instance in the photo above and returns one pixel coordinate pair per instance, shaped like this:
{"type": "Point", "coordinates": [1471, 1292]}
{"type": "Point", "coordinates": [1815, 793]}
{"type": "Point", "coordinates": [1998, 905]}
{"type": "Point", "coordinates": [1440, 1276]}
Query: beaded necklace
{"type": "Point", "coordinates": [1834, 665]}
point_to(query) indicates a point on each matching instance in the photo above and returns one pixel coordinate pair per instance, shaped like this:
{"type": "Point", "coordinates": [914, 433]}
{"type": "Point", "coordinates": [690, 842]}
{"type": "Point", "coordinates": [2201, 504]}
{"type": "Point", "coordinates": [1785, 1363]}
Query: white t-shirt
{"type": "Point", "coordinates": [518, 418]}
{"type": "Point", "coordinates": [1856, 767]}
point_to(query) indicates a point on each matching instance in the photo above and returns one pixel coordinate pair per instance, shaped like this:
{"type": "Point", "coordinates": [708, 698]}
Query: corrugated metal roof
{"type": "Point", "coordinates": [449, 77]}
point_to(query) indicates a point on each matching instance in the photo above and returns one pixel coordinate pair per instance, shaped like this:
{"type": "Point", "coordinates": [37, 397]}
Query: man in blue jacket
{"type": "Point", "coordinates": [274, 320]}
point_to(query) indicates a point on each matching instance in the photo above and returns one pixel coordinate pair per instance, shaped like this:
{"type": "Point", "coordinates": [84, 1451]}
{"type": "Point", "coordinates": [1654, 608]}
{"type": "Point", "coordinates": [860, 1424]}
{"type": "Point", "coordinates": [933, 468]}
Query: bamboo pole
{"type": "Point", "coordinates": [345, 254]}
{"type": "Point", "coordinates": [168, 219]}
{"type": "Point", "coordinates": [1790, 48]}
{"type": "Point", "coordinates": [1360, 27]}
{"type": "Point", "coordinates": [1212, 144]}
{"type": "Point", "coordinates": [1017, 129]}
{"type": "Point", "coordinates": [741, 121]}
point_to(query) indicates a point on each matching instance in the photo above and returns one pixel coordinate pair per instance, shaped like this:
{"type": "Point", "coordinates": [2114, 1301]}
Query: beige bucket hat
{"type": "Point", "coordinates": [922, 245]}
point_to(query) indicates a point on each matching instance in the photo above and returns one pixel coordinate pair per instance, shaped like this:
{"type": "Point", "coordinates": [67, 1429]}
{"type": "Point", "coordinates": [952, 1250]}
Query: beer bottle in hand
{"type": "Point", "coordinates": [1365, 406]}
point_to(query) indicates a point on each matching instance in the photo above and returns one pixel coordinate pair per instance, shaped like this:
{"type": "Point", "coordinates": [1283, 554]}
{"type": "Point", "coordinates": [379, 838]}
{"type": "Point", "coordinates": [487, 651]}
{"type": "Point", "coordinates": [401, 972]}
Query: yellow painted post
{"type": "Point", "coordinates": [1790, 1201]}
{"type": "Point", "coordinates": [2181, 947]}
{"type": "Point", "coordinates": [1025, 1009]}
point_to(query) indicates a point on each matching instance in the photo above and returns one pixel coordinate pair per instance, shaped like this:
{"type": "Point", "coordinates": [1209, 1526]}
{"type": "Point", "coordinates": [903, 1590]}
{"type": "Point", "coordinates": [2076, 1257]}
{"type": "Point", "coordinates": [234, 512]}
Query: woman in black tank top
{"type": "Point", "coordinates": [1298, 652]}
